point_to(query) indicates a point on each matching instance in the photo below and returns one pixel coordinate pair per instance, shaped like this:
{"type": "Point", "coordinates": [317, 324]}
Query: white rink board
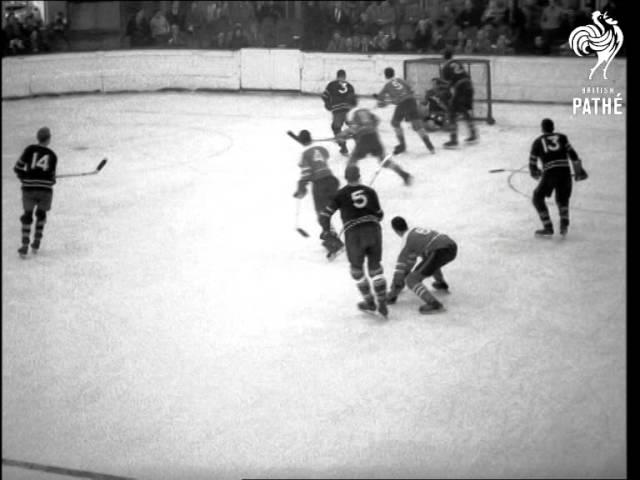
{"type": "Point", "coordinates": [518, 79]}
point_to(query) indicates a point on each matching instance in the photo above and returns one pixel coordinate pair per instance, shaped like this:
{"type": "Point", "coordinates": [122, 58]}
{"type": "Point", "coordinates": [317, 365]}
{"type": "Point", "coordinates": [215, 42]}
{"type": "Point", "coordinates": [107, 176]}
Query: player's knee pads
{"type": "Point", "coordinates": [375, 270]}
{"type": "Point", "coordinates": [413, 279]}
{"type": "Point", "coordinates": [41, 215]}
{"type": "Point", "coordinates": [26, 218]}
{"type": "Point", "coordinates": [357, 273]}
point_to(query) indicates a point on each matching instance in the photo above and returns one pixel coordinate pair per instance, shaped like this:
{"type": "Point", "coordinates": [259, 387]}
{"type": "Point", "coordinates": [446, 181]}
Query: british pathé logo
{"type": "Point", "coordinates": [604, 38]}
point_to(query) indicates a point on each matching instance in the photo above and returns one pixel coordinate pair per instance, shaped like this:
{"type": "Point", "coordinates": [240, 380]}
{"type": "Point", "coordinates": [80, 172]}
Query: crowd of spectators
{"type": "Point", "coordinates": [489, 27]}
{"type": "Point", "coordinates": [24, 31]}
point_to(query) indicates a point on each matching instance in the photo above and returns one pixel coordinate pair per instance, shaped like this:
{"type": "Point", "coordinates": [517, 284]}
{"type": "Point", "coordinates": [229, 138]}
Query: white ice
{"type": "Point", "coordinates": [175, 325]}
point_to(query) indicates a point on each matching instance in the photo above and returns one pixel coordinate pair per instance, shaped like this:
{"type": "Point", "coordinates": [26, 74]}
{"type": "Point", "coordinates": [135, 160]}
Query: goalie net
{"type": "Point", "coordinates": [418, 73]}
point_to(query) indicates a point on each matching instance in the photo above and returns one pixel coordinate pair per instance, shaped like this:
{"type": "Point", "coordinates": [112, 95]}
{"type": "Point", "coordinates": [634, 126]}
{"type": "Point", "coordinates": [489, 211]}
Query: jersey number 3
{"type": "Point", "coordinates": [359, 199]}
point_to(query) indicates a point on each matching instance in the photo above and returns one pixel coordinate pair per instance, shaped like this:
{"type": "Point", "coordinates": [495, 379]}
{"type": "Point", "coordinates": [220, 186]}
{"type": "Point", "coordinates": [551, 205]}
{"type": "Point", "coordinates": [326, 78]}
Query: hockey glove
{"type": "Point", "coordinates": [301, 192]}
{"type": "Point", "coordinates": [535, 172]}
{"type": "Point", "coordinates": [581, 174]}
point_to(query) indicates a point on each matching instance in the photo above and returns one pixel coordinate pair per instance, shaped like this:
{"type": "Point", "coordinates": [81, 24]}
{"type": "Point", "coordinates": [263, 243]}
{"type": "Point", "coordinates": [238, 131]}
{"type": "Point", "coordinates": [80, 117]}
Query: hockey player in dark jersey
{"type": "Point", "coordinates": [361, 214]}
{"type": "Point", "coordinates": [461, 98]}
{"type": "Point", "coordinates": [339, 97]}
{"type": "Point", "coordinates": [553, 151]}
{"type": "Point", "coordinates": [399, 92]}
{"type": "Point", "coordinates": [315, 169]}
{"type": "Point", "coordinates": [436, 102]}
{"type": "Point", "coordinates": [36, 169]}
{"type": "Point", "coordinates": [363, 127]}
{"type": "Point", "coordinates": [435, 250]}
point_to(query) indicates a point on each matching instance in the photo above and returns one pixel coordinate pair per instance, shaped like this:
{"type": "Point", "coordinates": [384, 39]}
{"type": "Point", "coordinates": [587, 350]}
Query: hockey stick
{"type": "Point", "coordinates": [382, 164]}
{"type": "Point", "coordinates": [100, 166]}
{"type": "Point", "coordinates": [496, 170]}
{"type": "Point", "coordinates": [315, 140]}
{"type": "Point", "coordinates": [300, 230]}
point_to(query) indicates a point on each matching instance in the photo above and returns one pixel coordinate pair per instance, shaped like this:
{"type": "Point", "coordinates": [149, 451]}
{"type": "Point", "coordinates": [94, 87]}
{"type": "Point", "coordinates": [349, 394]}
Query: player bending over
{"type": "Point", "coordinates": [315, 169]}
{"type": "Point", "coordinates": [399, 92]}
{"type": "Point", "coordinates": [36, 170]}
{"type": "Point", "coordinates": [361, 214]}
{"type": "Point", "coordinates": [339, 97]}
{"type": "Point", "coordinates": [552, 150]}
{"type": "Point", "coordinates": [436, 101]}
{"type": "Point", "coordinates": [363, 126]}
{"type": "Point", "coordinates": [435, 249]}
{"type": "Point", "coordinates": [461, 98]}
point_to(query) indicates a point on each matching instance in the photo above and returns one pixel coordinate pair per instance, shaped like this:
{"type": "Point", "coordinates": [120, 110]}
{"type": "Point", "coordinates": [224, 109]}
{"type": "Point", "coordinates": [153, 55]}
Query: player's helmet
{"type": "Point", "coordinates": [399, 224]}
{"type": "Point", "coordinates": [389, 72]}
{"type": "Point", "coordinates": [352, 173]}
{"type": "Point", "coordinates": [43, 134]}
{"type": "Point", "coordinates": [304, 136]}
{"type": "Point", "coordinates": [547, 125]}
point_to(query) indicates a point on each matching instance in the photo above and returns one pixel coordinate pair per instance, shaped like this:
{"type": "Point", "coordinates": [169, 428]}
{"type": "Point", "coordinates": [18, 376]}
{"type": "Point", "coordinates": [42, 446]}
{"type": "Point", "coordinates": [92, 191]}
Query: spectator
{"type": "Point", "coordinates": [540, 47]}
{"type": "Point", "coordinates": [365, 25]}
{"type": "Point", "coordinates": [502, 46]}
{"type": "Point", "coordinates": [348, 44]}
{"type": "Point", "coordinates": [437, 41]}
{"type": "Point", "coordinates": [423, 35]}
{"type": "Point", "coordinates": [385, 16]}
{"type": "Point", "coordinates": [160, 29]}
{"type": "Point", "coordinates": [336, 44]}
{"type": "Point", "coordinates": [461, 41]}
{"type": "Point", "coordinates": [59, 28]}
{"type": "Point", "coordinates": [532, 12]}
{"type": "Point", "coordinates": [469, 46]}
{"type": "Point", "coordinates": [138, 30]}
{"type": "Point", "coordinates": [241, 12]}
{"type": "Point", "coordinates": [469, 17]}
{"type": "Point", "coordinates": [32, 32]}
{"type": "Point", "coordinates": [238, 38]}
{"type": "Point", "coordinates": [339, 20]}
{"type": "Point", "coordinates": [496, 10]}
{"type": "Point", "coordinates": [14, 35]}
{"type": "Point", "coordinates": [412, 13]}
{"type": "Point", "coordinates": [379, 42]}
{"type": "Point", "coordinates": [356, 43]}
{"type": "Point", "coordinates": [482, 44]}
{"type": "Point", "coordinates": [314, 29]}
{"type": "Point", "coordinates": [195, 22]}
{"type": "Point", "coordinates": [551, 23]}
{"type": "Point", "coordinates": [220, 41]}
{"type": "Point", "coordinates": [394, 44]}
{"type": "Point", "coordinates": [409, 46]}
{"type": "Point", "coordinates": [176, 16]}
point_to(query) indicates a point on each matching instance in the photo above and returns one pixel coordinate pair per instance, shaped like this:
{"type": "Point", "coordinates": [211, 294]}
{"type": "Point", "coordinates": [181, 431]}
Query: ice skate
{"type": "Point", "coordinates": [23, 250]}
{"type": "Point", "coordinates": [382, 308]}
{"type": "Point", "coordinates": [432, 307]}
{"type": "Point", "coordinates": [401, 147]}
{"type": "Point", "coordinates": [343, 150]}
{"type": "Point", "coordinates": [473, 138]}
{"type": "Point", "coordinates": [544, 233]}
{"type": "Point", "coordinates": [35, 246]}
{"type": "Point", "coordinates": [440, 285]}
{"type": "Point", "coordinates": [451, 145]}
{"type": "Point", "coordinates": [407, 179]}
{"type": "Point", "coordinates": [563, 230]}
{"type": "Point", "coordinates": [367, 306]}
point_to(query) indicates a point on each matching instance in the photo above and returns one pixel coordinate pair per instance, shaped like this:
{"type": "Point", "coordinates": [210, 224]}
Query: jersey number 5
{"type": "Point", "coordinates": [359, 199]}
{"type": "Point", "coordinates": [42, 163]}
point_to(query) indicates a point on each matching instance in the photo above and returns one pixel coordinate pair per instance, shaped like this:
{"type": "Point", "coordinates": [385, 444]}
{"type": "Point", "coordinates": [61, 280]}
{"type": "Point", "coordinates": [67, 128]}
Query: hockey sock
{"type": "Point", "coordinates": [437, 275]}
{"type": "Point", "coordinates": [379, 284]}
{"type": "Point", "coordinates": [564, 216]}
{"type": "Point", "coordinates": [425, 138]}
{"type": "Point", "coordinates": [399, 135]}
{"type": "Point", "coordinates": [26, 220]}
{"type": "Point", "coordinates": [365, 289]}
{"type": "Point", "coordinates": [545, 219]}
{"type": "Point", "coordinates": [414, 282]}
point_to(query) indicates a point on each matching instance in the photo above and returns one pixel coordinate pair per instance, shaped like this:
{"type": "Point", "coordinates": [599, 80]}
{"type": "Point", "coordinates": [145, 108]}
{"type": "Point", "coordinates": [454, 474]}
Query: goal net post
{"type": "Point", "coordinates": [419, 73]}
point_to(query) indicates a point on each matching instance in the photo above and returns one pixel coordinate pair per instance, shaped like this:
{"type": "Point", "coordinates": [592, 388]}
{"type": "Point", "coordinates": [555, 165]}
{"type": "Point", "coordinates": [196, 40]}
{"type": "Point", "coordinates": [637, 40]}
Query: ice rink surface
{"type": "Point", "coordinates": [175, 325]}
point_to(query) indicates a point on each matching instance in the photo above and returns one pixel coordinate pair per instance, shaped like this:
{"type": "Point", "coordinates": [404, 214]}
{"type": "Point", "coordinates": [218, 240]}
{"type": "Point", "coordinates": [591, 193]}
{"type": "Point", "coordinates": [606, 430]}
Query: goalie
{"type": "Point", "coordinates": [435, 105]}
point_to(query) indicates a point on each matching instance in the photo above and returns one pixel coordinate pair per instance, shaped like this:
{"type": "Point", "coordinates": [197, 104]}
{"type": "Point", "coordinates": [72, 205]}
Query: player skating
{"type": "Point", "coordinates": [435, 250]}
{"type": "Point", "coordinates": [361, 214]}
{"type": "Point", "coordinates": [399, 92]}
{"type": "Point", "coordinates": [339, 97]}
{"type": "Point", "coordinates": [315, 169]}
{"type": "Point", "coordinates": [363, 127]}
{"type": "Point", "coordinates": [36, 169]}
{"type": "Point", "coordinates": [553, 150]}
{"type": "Point", "coordinates": [461, 99]}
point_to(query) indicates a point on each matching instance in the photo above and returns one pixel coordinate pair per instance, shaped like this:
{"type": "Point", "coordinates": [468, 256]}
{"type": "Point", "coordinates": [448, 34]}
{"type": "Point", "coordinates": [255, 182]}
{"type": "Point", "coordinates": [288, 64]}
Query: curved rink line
{"type": "Point", "coordinates": [69, 472]}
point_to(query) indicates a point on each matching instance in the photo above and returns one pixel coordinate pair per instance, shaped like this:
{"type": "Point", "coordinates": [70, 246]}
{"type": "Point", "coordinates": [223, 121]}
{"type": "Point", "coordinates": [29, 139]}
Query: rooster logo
{"type": "Point", "coordinates": [603, 39]}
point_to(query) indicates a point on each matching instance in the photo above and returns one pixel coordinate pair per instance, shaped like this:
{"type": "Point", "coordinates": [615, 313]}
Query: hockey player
{"type": "Point", "coordinates": [363, 126]}
{"type": "Point", "coordinates": [399, 92]}
{"type": "Point", "coordinates": [435, 249]}
{"type": "Point", "coordinates": [461, 98]}
{"type": "Point", "coordinates": [36, 169]}
{"type": "Point", "coordinates": [436, 101]}
{"type": "Point", "coordinates": [361, 214]}
{"type": "Point", "coordinates": [315, 169]}
{"type": "Point", "coordinates": [339, 97]}
{"type": "Point", "coordinates": [552, 150]}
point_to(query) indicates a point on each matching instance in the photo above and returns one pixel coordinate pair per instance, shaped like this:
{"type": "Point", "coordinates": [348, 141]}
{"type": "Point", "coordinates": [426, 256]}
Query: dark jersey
{"type": "Point", "coordinates": [553, 150]}
{"type": "Point", "coordinates": [339, 95]}
{"type": "Point", "coordinates": [357, 204]}
{"type": "Point", "coordinates": [454, 73]}
{"type": "Point", "coordinates": [36, 167]}
{"type": "Point", "coordinates": [362, 122]}
{"type": "Point", "coordinates": [313, 164]}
